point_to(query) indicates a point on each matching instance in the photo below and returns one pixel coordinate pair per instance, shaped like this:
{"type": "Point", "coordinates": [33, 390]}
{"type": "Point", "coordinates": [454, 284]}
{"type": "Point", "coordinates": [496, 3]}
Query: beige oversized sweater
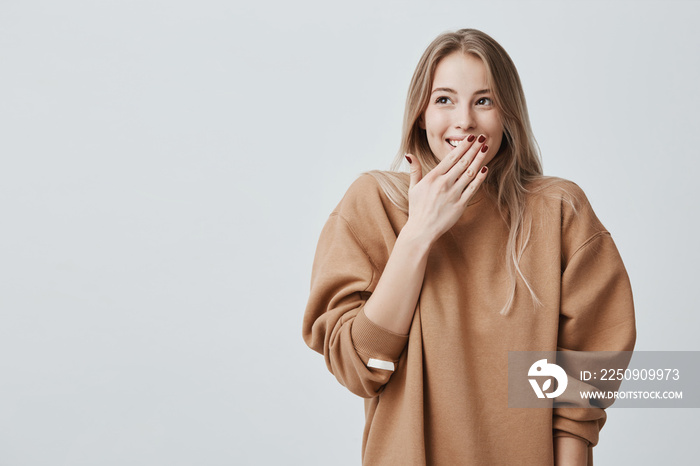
{"type": "Point", "coordinates": [445, 402]}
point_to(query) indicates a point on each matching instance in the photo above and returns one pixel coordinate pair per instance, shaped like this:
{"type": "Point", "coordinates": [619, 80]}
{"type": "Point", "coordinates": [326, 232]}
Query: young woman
{"type": "Point", "coordinates": [423, 282]}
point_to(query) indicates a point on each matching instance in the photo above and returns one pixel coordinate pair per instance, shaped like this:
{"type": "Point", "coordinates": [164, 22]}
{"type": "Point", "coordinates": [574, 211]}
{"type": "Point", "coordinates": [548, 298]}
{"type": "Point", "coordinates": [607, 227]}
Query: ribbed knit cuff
{"type": "Point", "coordinates": [372, 341]}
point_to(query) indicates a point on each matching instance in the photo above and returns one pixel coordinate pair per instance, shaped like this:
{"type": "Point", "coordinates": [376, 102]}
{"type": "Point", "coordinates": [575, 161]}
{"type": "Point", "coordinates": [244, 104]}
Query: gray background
{"type": "Point", "coordinates": [167, 167]}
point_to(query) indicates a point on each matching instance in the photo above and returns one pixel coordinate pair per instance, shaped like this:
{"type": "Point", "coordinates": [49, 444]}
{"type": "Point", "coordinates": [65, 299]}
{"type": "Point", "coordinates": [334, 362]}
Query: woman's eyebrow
{"type": "Point", "coordinates": [447, 89]}
{"type": "Point", "coordinates": [444, 89]}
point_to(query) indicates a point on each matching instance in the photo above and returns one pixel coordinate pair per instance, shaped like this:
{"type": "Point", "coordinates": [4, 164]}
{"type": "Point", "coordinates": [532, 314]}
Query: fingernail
{"type": "Point", "coordinates": [482, 138]}
{"type": "Point", "coordinates": [408, 158]}
{"type": "Point", "coordinates": [471, 138]}
{"type": "Point", "coordinates": [484, 148]}
{"type": "Point", "coordinates": [483, 170]}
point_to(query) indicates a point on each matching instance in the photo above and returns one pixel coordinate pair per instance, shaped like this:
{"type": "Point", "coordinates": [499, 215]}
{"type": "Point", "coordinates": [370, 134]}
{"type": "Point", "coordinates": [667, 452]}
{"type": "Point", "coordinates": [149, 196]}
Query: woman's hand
{"type": "Point", "coordinates": [438, 200]}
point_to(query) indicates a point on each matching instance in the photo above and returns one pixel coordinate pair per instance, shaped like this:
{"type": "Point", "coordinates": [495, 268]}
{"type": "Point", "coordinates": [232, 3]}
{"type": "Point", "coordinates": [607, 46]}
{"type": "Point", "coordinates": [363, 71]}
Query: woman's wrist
{"type": "Point", "coordinates": [419, 239]}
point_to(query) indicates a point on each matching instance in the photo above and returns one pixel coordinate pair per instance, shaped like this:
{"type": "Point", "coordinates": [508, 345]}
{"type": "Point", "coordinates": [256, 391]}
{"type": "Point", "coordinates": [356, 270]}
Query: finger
{"type": "Point", "coordinates": [467, 166]}
{"type": "Point", "coordinates": [454, 155]}
{"type": "Point", "coordinates": [474, 185]}
{"type": "Point", "coordinates": [473, 170]}
{"type": "Point", "coordinates": [416, 170]}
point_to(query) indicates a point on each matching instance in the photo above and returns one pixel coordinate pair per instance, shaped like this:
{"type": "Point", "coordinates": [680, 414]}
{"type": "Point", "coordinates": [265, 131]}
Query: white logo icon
{"type": "Point", "coordinates": [542, 368]}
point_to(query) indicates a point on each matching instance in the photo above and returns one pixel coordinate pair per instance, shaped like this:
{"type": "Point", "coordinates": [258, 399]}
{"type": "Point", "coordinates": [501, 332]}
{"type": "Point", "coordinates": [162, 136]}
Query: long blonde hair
{"type": "Point", "coordinates": [517, 162]}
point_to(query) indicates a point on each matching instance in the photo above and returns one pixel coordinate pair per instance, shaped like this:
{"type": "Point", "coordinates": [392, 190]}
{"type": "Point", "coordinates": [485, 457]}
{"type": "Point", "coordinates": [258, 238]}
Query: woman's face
{"type": "Point", "coordinates": [460, 105]}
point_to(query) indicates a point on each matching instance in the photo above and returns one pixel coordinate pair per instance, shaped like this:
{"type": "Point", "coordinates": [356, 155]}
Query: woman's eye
{"type": "Point", "coordinates": [442, 100]}
{"type": "Point", "coordinates": [485, 98]}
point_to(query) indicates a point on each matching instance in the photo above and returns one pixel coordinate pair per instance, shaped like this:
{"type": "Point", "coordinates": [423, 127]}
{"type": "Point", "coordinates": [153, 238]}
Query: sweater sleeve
{"type": "Point", "coordinates": [596, 314]}
{"type": "Point", "coordinates": [359, 353]}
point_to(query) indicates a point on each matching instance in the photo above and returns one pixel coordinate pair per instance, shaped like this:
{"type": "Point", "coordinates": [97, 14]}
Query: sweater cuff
{"type": "Point", "coordinates": [377, 347]}
{"type": "Point", "coordinates": [561, 433]}
{"type": "Point", "coordinates": [587, 430]}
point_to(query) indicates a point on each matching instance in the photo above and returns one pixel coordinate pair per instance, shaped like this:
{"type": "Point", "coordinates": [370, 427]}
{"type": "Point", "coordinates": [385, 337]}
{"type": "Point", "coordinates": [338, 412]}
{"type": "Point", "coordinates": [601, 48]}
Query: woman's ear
{"type": "Point", "coordinates": [421, 122]}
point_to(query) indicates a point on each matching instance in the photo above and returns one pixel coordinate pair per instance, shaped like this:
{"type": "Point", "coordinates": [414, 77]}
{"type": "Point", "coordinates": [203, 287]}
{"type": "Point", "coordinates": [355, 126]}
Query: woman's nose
{"type": "Point", "coordinates": [465, 119]}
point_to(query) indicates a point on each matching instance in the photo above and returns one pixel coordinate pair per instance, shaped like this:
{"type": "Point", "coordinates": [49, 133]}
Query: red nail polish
{"type": "Point", "coordinates": [483, 170]}
{"type": "Point", "coordinates": [484, 148]}
{"type": "Point", "coordinates": [471, 138]}
{"type": "Point", "coordinates": [408, 158]}
{"type": "Point", "coordinates": [482, 138]}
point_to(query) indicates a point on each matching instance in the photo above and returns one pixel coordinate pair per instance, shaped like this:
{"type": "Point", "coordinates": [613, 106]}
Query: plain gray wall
{"type": "Point", "coordinates": [167, 167]}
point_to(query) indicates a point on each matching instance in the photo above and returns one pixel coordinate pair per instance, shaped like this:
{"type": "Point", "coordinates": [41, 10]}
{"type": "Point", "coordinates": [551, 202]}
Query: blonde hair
{"type": "Point", "coordinates": [517, 162]}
